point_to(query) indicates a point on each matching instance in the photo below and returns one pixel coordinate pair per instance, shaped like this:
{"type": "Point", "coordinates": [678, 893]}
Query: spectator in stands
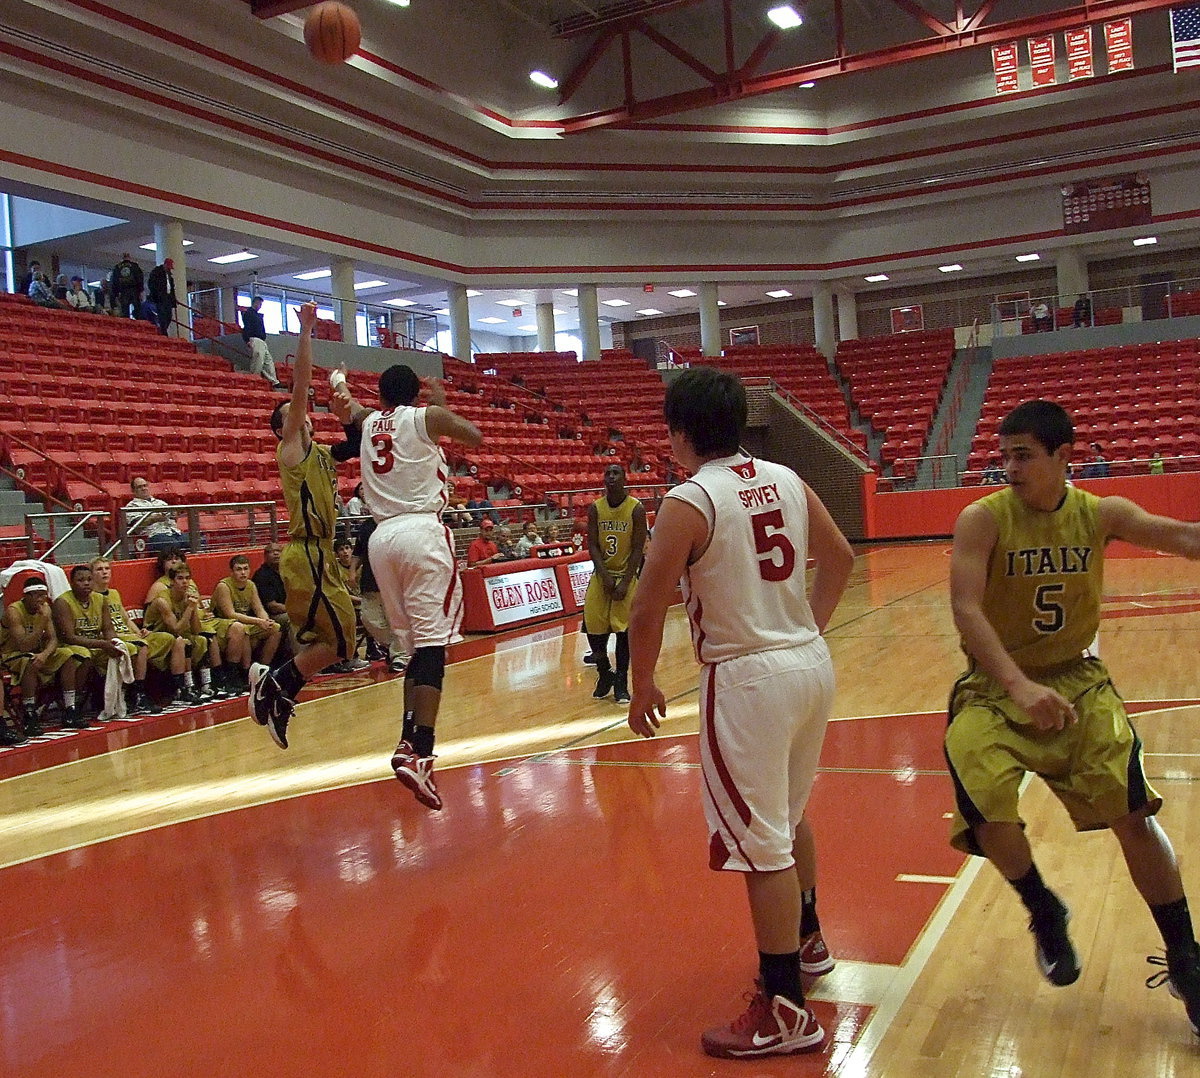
{"type": "Point", "coordinates": [1082, 314]}
{"type": "Point", "coordinates": [1097, 466]}
{"type": "Point", "coordinates": [254, 333]}
{"type": "Point", "coordinates": [35, 267]}
{"type": "Point", "coordinates": [61, 288]}
{"type": "Point", "coordinates": [356, 507]}
{"type": "Point", "coordinates": [480, 506]}
{"type": "Point", "coordinates": [271, 589]}
{"type": "Point", "coordinates": [127, 282]}
{"type": "Point", "coordinates": [506, 548]}
{"type": "Point", "coordinates": [160, 287]}
{"type": "Point", "coordinates": [456, 514]}
{"type": "Point", "coordinates": [529, 539]}
{"type": "Point", "coordinates": [79, 297]}
{"type": "Point", "coordinates": [1157, 464]}
{"type": "Point", "coordinates": [41, 293]}
{"type": "Point", "coordinates": [152, 518]}
{"type": "Point", "coordinates": [993, 474]}
{"type": "Point", "coordinates": [1042, 318]}
{"type": "Point", "coordinates": [343, 550]}
{"type": "Point", "coordinates": [482, 549]}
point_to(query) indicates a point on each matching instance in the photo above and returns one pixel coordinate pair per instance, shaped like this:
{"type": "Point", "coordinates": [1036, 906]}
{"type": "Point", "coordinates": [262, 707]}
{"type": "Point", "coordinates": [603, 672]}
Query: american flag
{"type": "Point", "coordinates": [1185, 36]}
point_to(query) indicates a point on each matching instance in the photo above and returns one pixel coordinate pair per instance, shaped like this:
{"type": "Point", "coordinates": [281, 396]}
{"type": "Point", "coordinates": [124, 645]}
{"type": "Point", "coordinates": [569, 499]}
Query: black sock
{"type": "Point", "coordinates": [808, 913]}
{"type": "Point", "coordinates": [623, 655]}
{"type": "Point", "coordinates": [409, 727]}
{"type": "Point", "coordinates": [1039, 900]}
{"type": "Point", "coordinates": [422, 740]}
{"type": "Point", "coordinates": [781, 976]}
{"type": "Point", "coordinates": [599, 642]}
{"type": "Point", "coordinates": [1175, 923]}
{"type": "Point", "coordinates": [177, 679]}
{"type": "Point", "coordinates": [291, 681]}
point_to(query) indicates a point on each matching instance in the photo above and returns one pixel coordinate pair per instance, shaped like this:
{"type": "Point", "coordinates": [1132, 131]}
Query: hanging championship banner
{"type": "Point", "coordinates": [1111, 202]}
{"type": "Point", "coordinates": [1006, 64]}
{"type": "Point", "coordinates": [1041, 60]}
{"type": "Point", "coordinates": [1079, 54]}
{"type": "Point", "coordinates": [1118, 43]}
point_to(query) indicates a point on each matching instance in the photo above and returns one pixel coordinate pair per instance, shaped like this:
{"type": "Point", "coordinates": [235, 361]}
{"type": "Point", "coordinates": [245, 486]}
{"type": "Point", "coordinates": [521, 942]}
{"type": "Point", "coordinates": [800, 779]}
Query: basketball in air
{"type": "Point", "coordinates": [332, 32]}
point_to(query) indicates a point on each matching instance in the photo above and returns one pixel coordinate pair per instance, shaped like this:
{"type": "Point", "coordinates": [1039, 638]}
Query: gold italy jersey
{"type": "Point", "coordinates": [116, 609]}
{"type": "Point", "coordinates": [89, 619]}
{"type": "Point", "coordinates": [8, 647]}
{"type": "Point", "coordinates": [615, 528]}
{"type": "Point", "coordinates": [242, 597]}
{"type": "Point", "coordinates": [1045, 578]}
{"type": "Point", "coordinates": [308, 489]}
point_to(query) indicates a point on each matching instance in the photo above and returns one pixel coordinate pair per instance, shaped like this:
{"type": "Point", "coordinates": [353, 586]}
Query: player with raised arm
{"type": "Point", "coordinates": [737, 535]}
{"type": "Point", "coordinates": [318, 604]}
{"type": "Point", "coordinates": [1026, 581]}
{"type": "Point", "coordinates": [412, 551]}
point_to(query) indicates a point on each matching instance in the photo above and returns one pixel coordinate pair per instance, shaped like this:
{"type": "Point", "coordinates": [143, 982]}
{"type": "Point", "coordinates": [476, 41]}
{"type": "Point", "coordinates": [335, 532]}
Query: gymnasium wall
{"type": "Point", "coordinates": [924, 514]}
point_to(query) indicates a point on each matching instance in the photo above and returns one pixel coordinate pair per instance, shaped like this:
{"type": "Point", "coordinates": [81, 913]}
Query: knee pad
{"type": "Point", "coordinates": [427, 667]}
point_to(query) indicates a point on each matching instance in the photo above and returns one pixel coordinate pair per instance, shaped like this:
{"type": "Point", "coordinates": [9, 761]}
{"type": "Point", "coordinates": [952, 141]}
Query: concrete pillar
{"type": "Point", "coordinates": [460, 322]}
{"type": "Point", "coordinates": [823, 328]}
{"type": "Point", "coordinates": [589, 322]}
{"type": "Point", "coordinates": [1072, 273]}
{"type": "Point", "coordinates": [710, 320]}
{"type": "Point", "coordinates": [168, 239]}
{"type": "Point", "coordinates": [227, 306]}
{"type": "Point", "coordinates": [847, 315]}
{"type": "Point", "coordinates": [545, 327]}
{"type": "Point", "coordinates": [344, 303]}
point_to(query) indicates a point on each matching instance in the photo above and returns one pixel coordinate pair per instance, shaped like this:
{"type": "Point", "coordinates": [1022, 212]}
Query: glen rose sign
{"type": "Point", "coordinates": [527, 594]}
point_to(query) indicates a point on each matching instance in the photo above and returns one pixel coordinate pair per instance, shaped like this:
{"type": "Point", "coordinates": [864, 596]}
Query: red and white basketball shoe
{"type": "Point", "coordinates": [416, 772]}
{"type": "Point", "coordinates": [776, 1027]}
{"type": "Point", "coordinates": [815, 959]}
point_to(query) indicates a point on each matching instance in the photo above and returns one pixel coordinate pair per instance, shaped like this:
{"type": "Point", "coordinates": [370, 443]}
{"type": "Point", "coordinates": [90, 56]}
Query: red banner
{"type": "Point", "coordinates": [1118, 41]}
{"type": "Point", "coordinates": [1006, 64]}
{"type": "Point", "coordinates": [1041, 60]}
{"type": "Point", "coordinates": [1079, 54]}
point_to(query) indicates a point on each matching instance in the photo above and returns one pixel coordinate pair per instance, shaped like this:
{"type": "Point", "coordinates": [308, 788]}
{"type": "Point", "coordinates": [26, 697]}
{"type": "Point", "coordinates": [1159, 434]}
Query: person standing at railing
{"type": "Point", "coordinates": [254, 333]}
{"type": "Point", "coordinates": [127, 283]}
{"type": "Point", "coordinates": [161, 288]}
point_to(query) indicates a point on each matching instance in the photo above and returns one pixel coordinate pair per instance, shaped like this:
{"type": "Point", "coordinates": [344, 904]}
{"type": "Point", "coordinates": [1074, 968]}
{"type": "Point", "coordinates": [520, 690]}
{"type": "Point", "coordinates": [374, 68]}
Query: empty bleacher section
{"type": "Point", "coordinates": [1134, 400]}
{"type": "Point", "coordinates": [1180, 304]}
{"type": "Point", "coordinates": [88, 402]}
{"type": "Point", "coordinates": [804, 373]}
{"type": "Point", "coordinates": [896, 383]}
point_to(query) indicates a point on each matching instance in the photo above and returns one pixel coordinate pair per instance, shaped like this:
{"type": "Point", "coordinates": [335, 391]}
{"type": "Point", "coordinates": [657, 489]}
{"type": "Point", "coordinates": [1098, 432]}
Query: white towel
{"type": "Point", "coordinates": [56, 579]}
{"type": "Point", "coordinates": [119, 674]}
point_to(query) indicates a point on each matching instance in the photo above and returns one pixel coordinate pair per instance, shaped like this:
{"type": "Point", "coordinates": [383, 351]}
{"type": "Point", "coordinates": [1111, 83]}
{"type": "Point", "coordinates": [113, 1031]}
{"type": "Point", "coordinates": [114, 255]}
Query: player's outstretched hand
{"type": "Point", "coordinates": [1048, 709]}
{"type": "Point", "coordinates": [647, 709]}
{"type": "Point", "coordinates": [435, 392]}
{"type": "Point", "coordinates": [306, 314]}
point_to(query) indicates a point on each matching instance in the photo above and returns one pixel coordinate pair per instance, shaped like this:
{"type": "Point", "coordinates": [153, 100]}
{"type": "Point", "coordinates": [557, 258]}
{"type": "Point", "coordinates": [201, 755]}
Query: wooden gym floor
{"type": "Point", "coordinates": [178, 897]}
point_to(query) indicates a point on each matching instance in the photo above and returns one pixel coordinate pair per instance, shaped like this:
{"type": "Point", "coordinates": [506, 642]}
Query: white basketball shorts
{"type": "Point", "coordinates": [412, 557]}
{"type": "Point", "coordinates": [762, 724]}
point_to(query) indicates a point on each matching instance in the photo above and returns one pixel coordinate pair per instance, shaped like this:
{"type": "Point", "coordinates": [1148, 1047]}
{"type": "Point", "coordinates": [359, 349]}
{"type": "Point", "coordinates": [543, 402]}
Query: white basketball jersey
{"type": "Point", "coordinates": [403, 469]}
{"type": "Point", "coordinates": [747, 592]}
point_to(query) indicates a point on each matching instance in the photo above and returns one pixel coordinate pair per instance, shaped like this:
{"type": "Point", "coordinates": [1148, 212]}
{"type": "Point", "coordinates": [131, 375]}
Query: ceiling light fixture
{"type": "Point", "coordinates": [650, 310]}
{"type": "Point", "coordinates": [570, 291]}
{"type": "Point", "coordinates": [876, 278]}
{"type": "Point", "coordinates": [954, 268]}
{"type": "Point", "coordinates": [312, 275]}
{"type": "Point", "coordinates": [527, 329]}
{"type": "Point", "coordinates": [511, 302]}
{"type": "Point", "coordinates": [540, 78]}
{"type": "Point", "coordinates": [779, 293]}
{"type": "Point", "coordinates": [369, 284]}
{"type": "Point", "coordinates": [1145, 241]}
{"type": "Point", "coordinates": [807, 85]}
{"type": "Point", "coordinates": [682, 293]}
{"type": "Point", "coordinates": [154, 246]}
{"type": "Point", "coordinates": [615, 302]}
{"type": "Point", "coordinates": [471, 293]}
{"type": "Point", "coordinates": [492, 321]}
{"type": "Point", "coordinates": [239, 256]}
{"type": "Point", "coordinates": [400, 302]}
{"type": "Point", "coordinates": [1033, 256]}
{"type": "Point", "coordinates": [786, 17]}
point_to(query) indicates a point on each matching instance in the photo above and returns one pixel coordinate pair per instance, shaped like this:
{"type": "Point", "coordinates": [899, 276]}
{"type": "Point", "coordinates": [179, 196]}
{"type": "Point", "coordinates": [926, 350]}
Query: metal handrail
{"type": "Point", "coordinates": [818, 420]}
{"type": "Point", "coordinates": [193, 511]}
{"type": "Point", "coordinates": [48, 555]}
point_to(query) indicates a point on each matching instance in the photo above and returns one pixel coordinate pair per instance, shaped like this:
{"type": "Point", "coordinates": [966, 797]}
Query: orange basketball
{"type": "Point", "coordinates": [332, 32]}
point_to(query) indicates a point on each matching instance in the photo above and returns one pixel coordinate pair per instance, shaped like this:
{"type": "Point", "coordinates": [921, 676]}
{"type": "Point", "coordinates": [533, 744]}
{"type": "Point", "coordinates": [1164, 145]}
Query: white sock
{"type": "Point", "coordinates": [68, 697]}
{"type": "Point", "coordinates": [205, 676]}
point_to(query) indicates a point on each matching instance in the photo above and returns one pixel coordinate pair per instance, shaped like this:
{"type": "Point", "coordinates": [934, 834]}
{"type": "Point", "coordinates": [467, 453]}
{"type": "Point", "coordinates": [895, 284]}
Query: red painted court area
{"type": "Point", "coordinates": [557, 918]}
